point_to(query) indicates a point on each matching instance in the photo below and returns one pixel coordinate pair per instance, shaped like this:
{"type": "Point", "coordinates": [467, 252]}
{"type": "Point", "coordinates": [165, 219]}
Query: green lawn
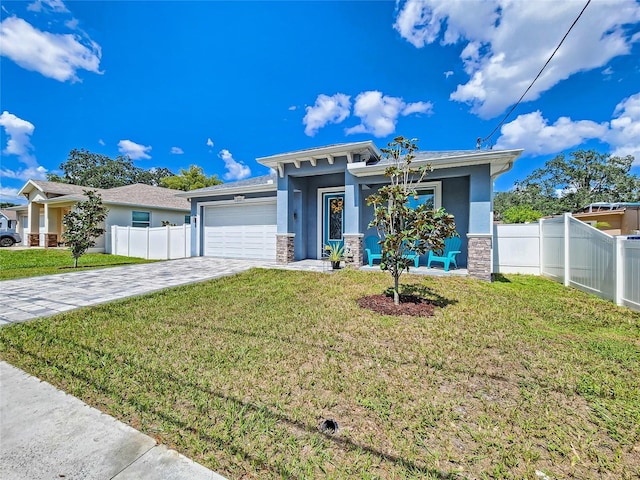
{"type": "Point", "coordinates": [509, 378]}
{"type": "Point", "coordinates": [34, 262]}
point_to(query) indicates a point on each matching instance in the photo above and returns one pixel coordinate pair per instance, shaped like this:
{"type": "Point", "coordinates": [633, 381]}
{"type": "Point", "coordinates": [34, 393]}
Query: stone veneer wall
{"type": "Point", "coordinates": [353, 243]}
{"type": "Point", "coordinates": [284, 248]}
{"type": "Point", "coordinates": [479, 256]}
{"type": "Point", "coordinates": [51, 240]}
{"type": "Point", "coordinates": [34, 240]}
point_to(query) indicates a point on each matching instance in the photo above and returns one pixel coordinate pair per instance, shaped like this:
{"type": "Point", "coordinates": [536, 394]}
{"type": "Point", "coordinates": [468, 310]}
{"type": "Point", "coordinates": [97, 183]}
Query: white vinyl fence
{"type": "Point", "coordinates": [158, 243]}
{"type": "Point", "coordinates": [573, 253]}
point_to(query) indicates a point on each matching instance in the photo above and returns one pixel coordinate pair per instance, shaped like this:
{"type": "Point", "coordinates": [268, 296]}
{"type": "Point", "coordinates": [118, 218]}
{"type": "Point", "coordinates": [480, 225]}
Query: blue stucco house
{"type": "Point", "coordinates": [318, 195]}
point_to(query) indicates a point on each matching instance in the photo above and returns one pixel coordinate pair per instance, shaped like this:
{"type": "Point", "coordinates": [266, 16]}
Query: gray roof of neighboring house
{"type": "Point", "coordinates": [145, 195]}
{"type": "Point", "coordinates": [138, 194]}
{"type": "Point", "coordinates": [9, 214]}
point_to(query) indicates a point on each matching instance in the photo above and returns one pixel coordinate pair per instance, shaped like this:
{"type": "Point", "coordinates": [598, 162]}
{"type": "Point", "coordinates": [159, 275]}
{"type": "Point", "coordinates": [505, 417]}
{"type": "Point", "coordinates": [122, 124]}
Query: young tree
{"type": "Point", "coordinates": [404, 230]}
{"type": "Point", "coordinates": [190, 179]}
{"type": "Point", "coordinates": [100, 171]}
{"type": "Point", "coordinates": [83, 224]}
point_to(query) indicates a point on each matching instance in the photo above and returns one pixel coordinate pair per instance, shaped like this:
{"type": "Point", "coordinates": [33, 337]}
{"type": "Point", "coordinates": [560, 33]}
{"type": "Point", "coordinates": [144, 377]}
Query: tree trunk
{"type": "Point", "coordinates": [396, 291]}
{"type": "Point", "coordinates": [75, 262]}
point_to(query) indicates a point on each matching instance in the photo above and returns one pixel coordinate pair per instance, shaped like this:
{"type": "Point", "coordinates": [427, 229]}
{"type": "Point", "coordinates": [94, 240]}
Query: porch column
{"type": "Point", "coordinates": [480, 236]}
{"type": "Point", "coordinates": [51, 216]}
{"type": "Point", "coordinates": [352, 235]}
{"type": "Point", "coordinates": [34, 224]}
{"type": "Point", "coordinates": [285, 238]}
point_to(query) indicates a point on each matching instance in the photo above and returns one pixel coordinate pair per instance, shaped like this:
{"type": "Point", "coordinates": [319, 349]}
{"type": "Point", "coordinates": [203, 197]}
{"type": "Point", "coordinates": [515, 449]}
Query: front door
{"type": "Point", "coordinates": [332, 218]}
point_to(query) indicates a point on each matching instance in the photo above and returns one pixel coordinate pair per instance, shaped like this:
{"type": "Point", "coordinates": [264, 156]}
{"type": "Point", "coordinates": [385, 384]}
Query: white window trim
{"type": "Point", "coordinates": [437, 190]}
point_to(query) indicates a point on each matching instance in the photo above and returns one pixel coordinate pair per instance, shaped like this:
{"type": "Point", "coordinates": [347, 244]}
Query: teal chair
{"type": "Point", "coordinates": [373, 249]}
{"type": "Point", "coordinates": [451, 249]}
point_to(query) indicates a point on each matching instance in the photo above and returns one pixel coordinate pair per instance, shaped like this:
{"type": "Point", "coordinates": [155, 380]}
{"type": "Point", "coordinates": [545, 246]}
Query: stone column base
{"type": "Point", "coordinates": [479, 255]}
{"type": "Point", "coordinates": [50, 239]}
{"type": "Point", "coordinates": [34, 239]}
{"type": "Point", "coordinates": [353, 244]}
{"type": "Point", "coordinates": [284, 248]}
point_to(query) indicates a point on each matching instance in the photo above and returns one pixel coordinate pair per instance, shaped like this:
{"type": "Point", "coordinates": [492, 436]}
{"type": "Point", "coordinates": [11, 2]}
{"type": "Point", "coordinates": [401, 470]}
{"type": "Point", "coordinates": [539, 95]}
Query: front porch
{"type": "Point", "coordinates": [313, 265]}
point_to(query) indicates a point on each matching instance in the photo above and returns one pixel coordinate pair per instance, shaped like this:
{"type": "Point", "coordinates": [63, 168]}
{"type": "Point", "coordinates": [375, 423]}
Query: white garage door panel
{"type": "Point", "coordinates": [241, 231]}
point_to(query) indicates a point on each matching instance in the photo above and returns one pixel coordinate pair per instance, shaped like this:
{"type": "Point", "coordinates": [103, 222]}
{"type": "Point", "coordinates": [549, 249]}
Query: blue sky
{"type": "Point", "coordinates": [218, 84]}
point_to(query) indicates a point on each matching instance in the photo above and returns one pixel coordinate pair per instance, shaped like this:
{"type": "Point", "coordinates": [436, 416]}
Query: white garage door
{"type": "Point", "coordinates": [246, 230]}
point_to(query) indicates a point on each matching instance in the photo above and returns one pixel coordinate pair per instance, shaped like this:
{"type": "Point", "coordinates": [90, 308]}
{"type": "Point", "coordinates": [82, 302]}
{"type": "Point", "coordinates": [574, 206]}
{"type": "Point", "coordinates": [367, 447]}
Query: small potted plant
{"type": "Point", "coordinates": [334, 252]}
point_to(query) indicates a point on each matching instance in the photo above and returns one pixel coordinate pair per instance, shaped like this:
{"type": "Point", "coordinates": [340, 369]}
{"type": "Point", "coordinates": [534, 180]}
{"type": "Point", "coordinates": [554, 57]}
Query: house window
{"type": "Point", "coordinates": [427, 193]}
{"type": "Point", "coordinates": [187, 219]}
{"type": "Point", "coordinates": [140, 219]}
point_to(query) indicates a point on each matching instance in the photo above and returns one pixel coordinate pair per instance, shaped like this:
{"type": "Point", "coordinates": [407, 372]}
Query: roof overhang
{"type": "Point", "coordinates": [501, 161]}
{"type": "Point", "coordinates": [263, 187]}
{"type": "Point", "coordinates": [365, 149]}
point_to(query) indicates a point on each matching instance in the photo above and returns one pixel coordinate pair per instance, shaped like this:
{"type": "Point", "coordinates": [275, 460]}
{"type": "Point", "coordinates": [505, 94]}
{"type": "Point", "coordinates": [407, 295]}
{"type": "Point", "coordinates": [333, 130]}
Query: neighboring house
{"type": "Point", "coordinates": [8, 219]}
{"type": "Point", "coordinates": [621, 218]}
{"type": "Point", "coordinates": [319, 195]}
{"type": "Point", "coordinates": [139, 205]}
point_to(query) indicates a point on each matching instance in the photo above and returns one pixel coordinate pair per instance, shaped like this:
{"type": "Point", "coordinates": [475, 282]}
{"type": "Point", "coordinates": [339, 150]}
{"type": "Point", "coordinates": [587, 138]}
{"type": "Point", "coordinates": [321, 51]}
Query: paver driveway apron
{"type": "Point", "coordinates": [51, 294]}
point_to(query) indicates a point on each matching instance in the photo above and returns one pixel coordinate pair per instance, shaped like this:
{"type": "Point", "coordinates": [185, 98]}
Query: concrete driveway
{"type": "Point", "coordinates": [46, 433]}
{"type": "Point", "coordinates": [35, 297]}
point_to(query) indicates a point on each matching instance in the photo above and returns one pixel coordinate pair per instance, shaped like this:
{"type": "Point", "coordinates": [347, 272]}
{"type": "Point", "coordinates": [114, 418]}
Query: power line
{"type": "Point", "coordinates": [482, 140]}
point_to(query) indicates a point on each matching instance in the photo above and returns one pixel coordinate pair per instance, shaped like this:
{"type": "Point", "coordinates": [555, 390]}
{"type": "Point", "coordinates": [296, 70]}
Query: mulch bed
{"type": "Point", "coordinates": [409, 305]}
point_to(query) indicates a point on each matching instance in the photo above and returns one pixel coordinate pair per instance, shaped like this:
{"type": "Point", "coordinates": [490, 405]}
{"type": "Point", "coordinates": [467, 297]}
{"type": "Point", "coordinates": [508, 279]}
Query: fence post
{"type": "Point", "coordinates": [619, 275]}
{"type": "Point", "coordinates": [540, 245]}
{"type": "Point", "coordinates": [168, 242]}
{"type": "Point", "coordinates": [184, 237]}
{"type": "Point", "coordinates": [114, 240]}
{"type": "Point", "coordinates": [567, 264]}
{"type": "Point", "coordinates": [128, 241]}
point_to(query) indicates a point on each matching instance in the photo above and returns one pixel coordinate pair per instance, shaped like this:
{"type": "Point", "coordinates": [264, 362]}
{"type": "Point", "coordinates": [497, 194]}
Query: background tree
{"type": "Point", "coordinates": [568, 184]}
{"type": "Point", "coordinates": [83, 224]}
{"type": "Point", "coordinates": [521, 214]}
{"type": "Point", "coordinates": [8, 204]}
{"type": "Point", "coordinates": [190, 179]}
{"type": "Point", "coordinates": [100, 171]}
{"type": "Point", "coordinates": [402, 229]}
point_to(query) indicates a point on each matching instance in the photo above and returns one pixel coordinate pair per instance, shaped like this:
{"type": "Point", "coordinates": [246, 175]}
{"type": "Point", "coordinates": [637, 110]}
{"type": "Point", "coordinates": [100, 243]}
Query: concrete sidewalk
{"type": "Point", "coordinates": [47, 434]}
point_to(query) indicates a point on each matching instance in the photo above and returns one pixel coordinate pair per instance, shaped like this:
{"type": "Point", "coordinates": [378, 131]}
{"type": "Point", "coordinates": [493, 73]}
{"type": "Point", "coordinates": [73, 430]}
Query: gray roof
{"type": "Point", "coordinates": [426, 155]}
{"type": "Point", "coordinates": [59, 188]}
{"type": "Point", "coordinates": [9, 214]}
{"type": "Point", "coordinates": [265, 180]}
{"type": "Point", "coordinates": [145, 196]}
{"type": "Point", "coordinates": [138, 194]}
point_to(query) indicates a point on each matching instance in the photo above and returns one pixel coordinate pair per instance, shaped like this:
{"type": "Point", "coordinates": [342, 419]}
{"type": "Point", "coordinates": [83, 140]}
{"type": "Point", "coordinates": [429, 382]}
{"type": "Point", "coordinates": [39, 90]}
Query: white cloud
{"type": "Point", "coordinates": [292, 108]}
{"type": "Point", "coordinates": [533, 133]}
{"type": "Point", "coordinates": [235, 170]}
{"type": "Point", "coordinates": [9, 194]}
{"type": "Point", "coordinates": [537, 136]}
{"type": "Point", "coordinates": [135, 151]}
{"type": "Point", "coordinates": [53, 5]}
{"type": "Point", "coordinates": [177, 151]}
{"type": "Point", "coordinates": [448, 73]}
{"type": "Point", "coordinates": [624, 134]}
{"type": "Point", "coordinates": [24, 174]}
{"type": "Point", "coordinates": [504, 48]}
{"type": "Point", "coordinates": [19, 133]}
{"type": "Point", "coordinates": [209, 143]}
{"type": "Point", "coordinates": [327, 109]}
{"type": "Point", "coordinates": [101, 142]}
{"type": "Point", "coordinates": [379, 113]}
{"type": "Point", "coordinates": [57, 56]}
